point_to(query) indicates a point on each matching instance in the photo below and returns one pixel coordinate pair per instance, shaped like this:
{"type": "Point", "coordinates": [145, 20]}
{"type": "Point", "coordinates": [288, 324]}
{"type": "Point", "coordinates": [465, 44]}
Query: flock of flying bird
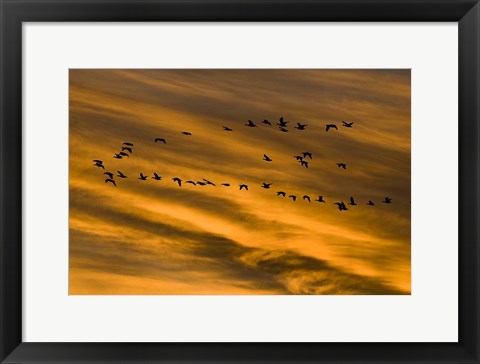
{"type": "Point", "coordinates": [127, 150]}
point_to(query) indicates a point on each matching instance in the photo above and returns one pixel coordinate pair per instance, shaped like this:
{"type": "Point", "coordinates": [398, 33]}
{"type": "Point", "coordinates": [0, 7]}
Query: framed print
{"type": "Point", "coordinates": [240, 181]}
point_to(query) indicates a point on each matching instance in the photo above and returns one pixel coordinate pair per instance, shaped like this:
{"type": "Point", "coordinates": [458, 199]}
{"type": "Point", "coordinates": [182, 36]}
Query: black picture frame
{"type": "Point", "coordinates": [14, 12]}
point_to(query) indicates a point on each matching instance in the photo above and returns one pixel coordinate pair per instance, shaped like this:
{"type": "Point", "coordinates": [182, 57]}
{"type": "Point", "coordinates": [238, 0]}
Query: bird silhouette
{"type": "Point", "coordinates": [266, 185]}
{"type": "Point", "coordinates": [124, 154]}
{"type": "Point", "coordinates": [117, 156]}
{"type": "Point", "coordinates": [111, 181]}
{"type": "Point", "coordinates": [226, 128]}
{"type": "Point", "coordinates": [209, 182]}
{"type": "Point", "coordinates": [142, 177]}
{"type": "Point", "coordinates": [283, 129]}
{"type": "Point", "coordinates": [307, 198]}
{"type": "Point", "coordinates": [128, 149]}
{"type": "Point", "coordinates": [266, 122]}
{"type": "Point", "coordinates": [370, 203]}
{"type": "Point", "coordinates": [97, 161]}
{"type": "Point", "coordinates": [281, 193]}
{"type": "Point", "coordinates": [298, 158]}
{"type": "Point", "coordinates": [250, 123]}
{"type": "Point", "coordinates": [341, 206]}
{"type": "Point", "coordinates": [304, 164]}
{"type": "Point", "coordinates": [160, 140]}
{"type": "Point", "coordinates": [156, 176]}
{"type": "Point", "coordinates": [387, 200]}
{"type": "Point", "coordinates": [281, 122]}
{"type": "Point", "coordinates": [293, 197]}
{"type": "Point", "coordinates": [307, 154]}
{"type": "Point", "coordinates": [301, 126]}
{"type": "Point", "coordinates": [226, 184]}
{"type": "Point", "coordinates": [191, 182]}
{"type": "Point", "coordinates": [329, 126]}
{"type": "Point", "coordinates": [347, 125]}
{"type": "Point", "coordinates": [121, 175]}
{"type": "Point", "coordinates": [100, 165]}
{"type": "Point", "coordinates": [178, 180]}
{"type": "Point", "coordinates": [109, 174]}
{"type": "Point", "coordinates": [243, 186]}
{"type": "Point", "coordinates": [352, 201]}
{"type": "Point", "coordinates": [320, 199]}
{"type": "Point", "coordinates": [266, 158]}
{"type": "Point", "coordinates": [342, 165]}
{"type": "Point", "coordinates": [186, 133]}
{"type": "Point", "coordinates": [129, 144]}
{"type": "Point", "coordinates": [201, 183]}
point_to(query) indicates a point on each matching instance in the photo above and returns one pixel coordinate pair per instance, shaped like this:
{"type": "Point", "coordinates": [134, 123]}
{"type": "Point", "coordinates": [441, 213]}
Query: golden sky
{"type": "Point", "coordinates": [154, 237]}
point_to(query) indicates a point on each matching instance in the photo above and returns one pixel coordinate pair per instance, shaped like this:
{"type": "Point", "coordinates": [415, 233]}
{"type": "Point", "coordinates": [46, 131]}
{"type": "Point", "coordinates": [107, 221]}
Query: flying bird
{"type": "Point", "coordinates": [250, 123]}
{"type": "Point", "coordinates": [156, 176]}
{"type": "Point", "coordinates": [121, 175]}
{"type": "Point", "coordinates": [201, 183]}
{"type": "Point", "coordinates": [352, 201]}
{"type": "Point", "coordinates": [111, 181]}
{"type": "Point", "coordinates": [178, 180]}
{"type": "Point", "coordinates": [226, 128]}
{"type": "Point", "coordinates": [209, 182]}
{"type": "Point", "coordinates": [304, 164]}
{"type": "Point", "coordinates": [301, 126]}
{"type": "Point", "coordinates": [347, 125]}
{"type": "Point", "coordinates": [341, 206]}
{"type": "Point", "coordinates": [266, 122]}
{"type": "Point", "coordinates": [281, 193]}
{"type": "Point", "coordinates": [293, 197]}
{"type": "Point", "coordinates": [320, 199]}
{"type": "Point", "coordinates": [370, 203]}
{"type": "Point", "coordinates": [281, 122]}
{"type": "Point", "coordinates": [307, 198]}
{"type": "Point", "coordinates": [128, 149]}
{"type": "Point", "coordinates": [142, 177]}
{"type": "Point", "coordinates": [117, 156]}
{"type": "Point", "coordinates": [243, 186]}
{"type": "Point", "coordinates": [109, 174]}
{"type": "Point", "coordinates": [387, 200]}
{"type": "Point", "coordinates": [266, 158]}
{"type": "Point", "coordinates": [129, 144]}
{"type": "Point", "coordinates": [99, 165]}
{"type": "Point", "coordinates": [307, 154]}
{"type": "Point", "coordinates": [298, 158]}
{"type": "Point", "coordinates": [98, 161]}
{"type": "Point", "coordinates": [161, 140]}
{"type": "Point", "coordinates": [342, 165]}
{"type": "Point", "coordinates": [283, 129]}
{"type": "Point", "coordinates": [266, 185]}
{"type": "Point", "coordinates": [124, 154]}
{"type": "Point", "coordinates": [191, 182]}
{"type": "Point", "coordinates": [329, 126]}
{"type": "Point", "coordinates": [186, 133]}
{"type": "Point", "coordinates": [226, 184]}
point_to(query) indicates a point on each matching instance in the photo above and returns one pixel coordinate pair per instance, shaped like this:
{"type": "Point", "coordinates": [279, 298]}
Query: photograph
{"type": "Point", "coordinates": [239, 182]}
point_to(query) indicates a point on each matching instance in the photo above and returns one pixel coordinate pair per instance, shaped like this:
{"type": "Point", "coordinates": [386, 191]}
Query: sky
{"type": "Point", "coordinates": [157, 238]}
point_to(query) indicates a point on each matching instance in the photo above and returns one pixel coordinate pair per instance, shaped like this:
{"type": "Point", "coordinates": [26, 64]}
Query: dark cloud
{"type": "Point", "coordinates": [202, 251]}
